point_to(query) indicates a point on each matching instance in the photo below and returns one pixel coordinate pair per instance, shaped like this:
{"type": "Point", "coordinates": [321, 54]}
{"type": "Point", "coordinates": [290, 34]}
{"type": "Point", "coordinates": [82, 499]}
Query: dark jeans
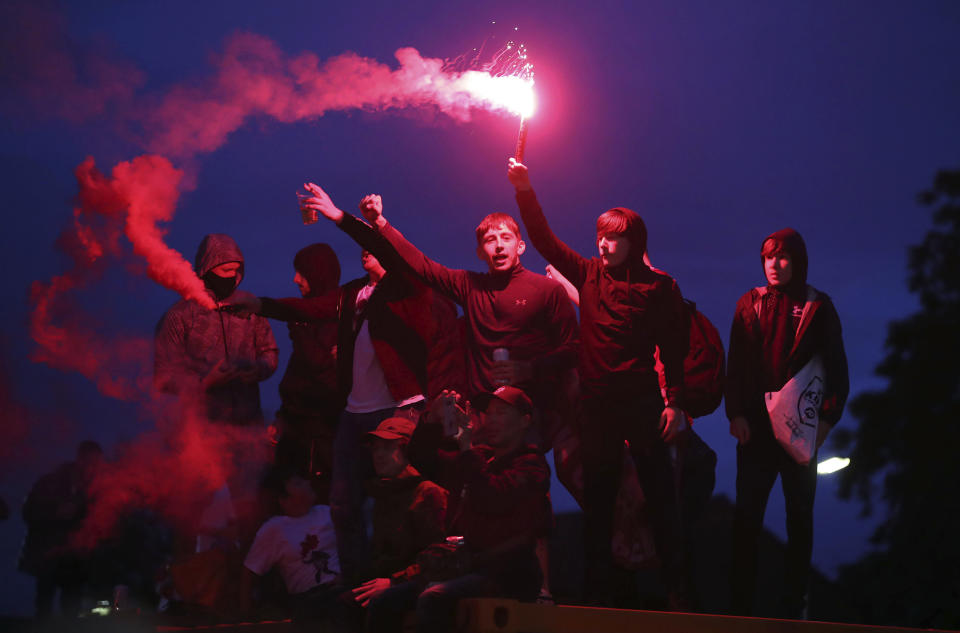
{"type": "Point", "coordinates": [759, 462]}
{"type": "Point", "coordinates": [321, 609]}
{"type": "Point", "coordinates": [67, 573]}
{"type": "Point", "coordinates": [306, 447]}
{"type": "Point", "coordinates": [436, 606]}
{"type": "Point", "coordinates": [607, 423]}
{"type": "Point", "coordinates": [352, 465]}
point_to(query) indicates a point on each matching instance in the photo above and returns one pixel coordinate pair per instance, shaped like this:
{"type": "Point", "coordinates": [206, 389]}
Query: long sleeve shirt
{"type": "Point", "coordinates": [528, 314]}
{"type": "Point", "coordinates": [625, 313]}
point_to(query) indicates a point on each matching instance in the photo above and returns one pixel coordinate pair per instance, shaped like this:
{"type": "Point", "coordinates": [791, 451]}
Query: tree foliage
{"type": "Point", "coordinates": [905, 451]}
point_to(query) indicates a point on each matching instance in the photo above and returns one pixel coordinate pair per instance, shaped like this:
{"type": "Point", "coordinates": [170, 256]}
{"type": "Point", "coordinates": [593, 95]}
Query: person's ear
{"type": "Point", "coordinates": [521, 246]}
{"type": "Point", "coordinates": [481, 255]}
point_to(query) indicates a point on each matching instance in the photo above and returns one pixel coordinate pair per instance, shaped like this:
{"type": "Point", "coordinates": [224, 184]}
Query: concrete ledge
{"type": "Point", "coordinates": [509, 616]}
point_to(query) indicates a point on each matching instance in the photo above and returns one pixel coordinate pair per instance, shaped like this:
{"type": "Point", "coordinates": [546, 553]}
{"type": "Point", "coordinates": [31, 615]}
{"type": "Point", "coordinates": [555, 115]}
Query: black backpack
{"type": "Point", "coordinates": [704, 366]}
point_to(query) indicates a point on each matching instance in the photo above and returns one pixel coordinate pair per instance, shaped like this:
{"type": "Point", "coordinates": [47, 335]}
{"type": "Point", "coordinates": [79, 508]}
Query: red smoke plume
{"type": "Point", "coordinates": [174, 471]}
{"type": "Point", "coordinates": [144, 192]}
{"type": "Point", "coordinates": [253, 77]}
{"type": "Point", "coordinates": [138, 194]}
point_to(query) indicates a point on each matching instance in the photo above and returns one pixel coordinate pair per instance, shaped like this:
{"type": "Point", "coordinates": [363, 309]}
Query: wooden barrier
{"type": "Point", "coordinates": [509, 616]}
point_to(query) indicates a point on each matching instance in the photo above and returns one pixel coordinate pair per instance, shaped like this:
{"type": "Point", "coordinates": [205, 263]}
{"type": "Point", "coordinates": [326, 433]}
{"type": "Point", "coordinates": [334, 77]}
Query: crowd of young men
{"type": "Point", "coordinates": [450, 418]}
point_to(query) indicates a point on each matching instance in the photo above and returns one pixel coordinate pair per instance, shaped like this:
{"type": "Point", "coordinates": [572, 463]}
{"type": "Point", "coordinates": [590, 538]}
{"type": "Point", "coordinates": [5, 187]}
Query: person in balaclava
{"type": "Point", "coordinates": [777, 329]}
{"type": "Point", "coordinates": [309, 391]}
{"type": "Point", "coordinates": [214, 356]}
{"type": "Point", "coordinates": [627, 310]}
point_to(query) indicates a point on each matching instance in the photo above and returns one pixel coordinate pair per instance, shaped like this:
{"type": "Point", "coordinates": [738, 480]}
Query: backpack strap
{"type": "Point", "coordinates": [758, 300]}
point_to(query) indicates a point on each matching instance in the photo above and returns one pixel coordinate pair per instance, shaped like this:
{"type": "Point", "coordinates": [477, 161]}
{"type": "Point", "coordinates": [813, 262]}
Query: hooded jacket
{"type": "Point", "coordinates": [769, 344]}
{"type": "Point", "coordinates": [625, 312]}
{"type": "Point", "coordinates": [413, 329]}
{"type": "Point", "coordinates": [191, 340]}
{"type": "Point", "coordinates": [309, 388]}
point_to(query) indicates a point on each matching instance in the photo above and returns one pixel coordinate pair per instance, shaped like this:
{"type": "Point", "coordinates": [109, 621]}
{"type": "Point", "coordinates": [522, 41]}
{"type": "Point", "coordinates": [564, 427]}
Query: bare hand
{"type": "Point", "coordinates": [511, 372]}
{"type": "Point", "coordinates": [446, 408]}
{"type": "Point", "coordinates": [518, 175]}
{"type": "Point", "coordinates": [321, 203]}
{"type": "Point", "coordinates": [370, 590]}
{"type": "Point", "coordinates": [740, 429]}
{"type": "Point", "coordinates": [572, 292]}
{"type": "Point", "coordinates": [672, 423]}
{"type": "Point", "coordinates": [372, 209]}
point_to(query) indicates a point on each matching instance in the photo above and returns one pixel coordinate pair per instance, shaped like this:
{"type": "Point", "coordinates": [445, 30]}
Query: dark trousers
{"type": "Point", "coordinates": [436, 605]}
{"type": "Point", "coordinates": [607, 423]}
{"type": "Point", "coordinates": [517, 578]}
{"type": "Point", "coordinates": [68, 574]}
{"type": "Point", "coordinates": [352, 465]}
{"type": "Point", "coordinates": [759, 461]}
{"type": "Point", "coordinates": [306, 447]}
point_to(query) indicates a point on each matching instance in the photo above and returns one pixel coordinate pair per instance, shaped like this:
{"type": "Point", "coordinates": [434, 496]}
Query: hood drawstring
{"type": "Point", "coordinates": [223, 330]}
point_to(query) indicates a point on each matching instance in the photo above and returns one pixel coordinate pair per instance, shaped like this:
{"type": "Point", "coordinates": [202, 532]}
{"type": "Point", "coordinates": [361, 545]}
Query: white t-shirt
{"type": "Point", "coordinates": [370, 391]}
{"type": "Point", "coordinates": [304, 548]}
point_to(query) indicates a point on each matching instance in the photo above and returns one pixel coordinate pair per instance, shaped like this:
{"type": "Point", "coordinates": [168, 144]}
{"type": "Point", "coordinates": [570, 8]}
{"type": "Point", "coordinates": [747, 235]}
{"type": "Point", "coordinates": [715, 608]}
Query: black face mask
{"type": "Point", "coordinates": [222, 287]}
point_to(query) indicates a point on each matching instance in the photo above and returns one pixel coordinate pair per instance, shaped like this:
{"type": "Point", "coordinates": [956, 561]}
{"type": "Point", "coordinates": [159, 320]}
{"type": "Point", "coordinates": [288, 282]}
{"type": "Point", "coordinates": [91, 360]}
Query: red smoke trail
{"type": "Point", "coordinates": [138, 194]}
{"type": "Point", "coordinates": [173, 471]}
{"type": "Point", "coordinates": [116, 364]}
{"type": "Point", "coordinates": [253, 77]}
{"type": "Point", "coordinates": [144, 192]}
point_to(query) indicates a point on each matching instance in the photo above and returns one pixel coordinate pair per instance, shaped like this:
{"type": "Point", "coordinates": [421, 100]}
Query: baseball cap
{"type": "Point", "coordinates": [394, 429]}
{"type": "Point", "coordinates": [511, 395]}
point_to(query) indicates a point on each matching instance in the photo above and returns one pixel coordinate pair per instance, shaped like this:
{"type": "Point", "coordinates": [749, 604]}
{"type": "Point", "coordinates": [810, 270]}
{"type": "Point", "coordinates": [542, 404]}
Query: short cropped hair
{"type": "Point", "coordinates": [494, 220]}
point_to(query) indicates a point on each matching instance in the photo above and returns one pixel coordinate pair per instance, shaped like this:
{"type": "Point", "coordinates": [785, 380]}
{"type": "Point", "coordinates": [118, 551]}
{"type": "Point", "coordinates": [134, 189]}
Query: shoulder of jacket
{"type": "Point", "coordinates": [750, 297]}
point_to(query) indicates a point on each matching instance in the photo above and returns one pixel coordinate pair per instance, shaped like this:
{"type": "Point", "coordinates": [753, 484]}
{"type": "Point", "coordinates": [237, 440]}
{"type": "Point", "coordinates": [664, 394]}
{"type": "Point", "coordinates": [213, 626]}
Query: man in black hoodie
{"type": "Point", "coordinates": [627, 310]}
{"type": "Point", "coordinates": [311, 401]}
{"type": "Point", "coordinates": [778, 329]}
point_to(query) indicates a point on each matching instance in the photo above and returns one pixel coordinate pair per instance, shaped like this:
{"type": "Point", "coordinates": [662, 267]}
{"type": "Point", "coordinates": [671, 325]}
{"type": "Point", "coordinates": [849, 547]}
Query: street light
{"type": "Point", "coordinates": [832, 465]}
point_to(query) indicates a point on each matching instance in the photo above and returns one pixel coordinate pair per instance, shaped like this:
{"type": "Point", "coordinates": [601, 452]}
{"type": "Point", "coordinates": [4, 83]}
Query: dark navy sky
{"type": "Point", "coordinates": [719, 122]}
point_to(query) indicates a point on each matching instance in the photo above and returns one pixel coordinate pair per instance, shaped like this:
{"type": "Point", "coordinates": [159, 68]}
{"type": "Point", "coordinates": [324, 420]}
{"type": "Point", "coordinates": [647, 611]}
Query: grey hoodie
{"type": "Point", "coordinates": [190, 340]}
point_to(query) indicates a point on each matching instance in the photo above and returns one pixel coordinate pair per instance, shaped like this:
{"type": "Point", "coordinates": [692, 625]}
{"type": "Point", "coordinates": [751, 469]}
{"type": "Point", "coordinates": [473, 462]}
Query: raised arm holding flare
{"type": "Point", "coordinates": [627, 310]}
